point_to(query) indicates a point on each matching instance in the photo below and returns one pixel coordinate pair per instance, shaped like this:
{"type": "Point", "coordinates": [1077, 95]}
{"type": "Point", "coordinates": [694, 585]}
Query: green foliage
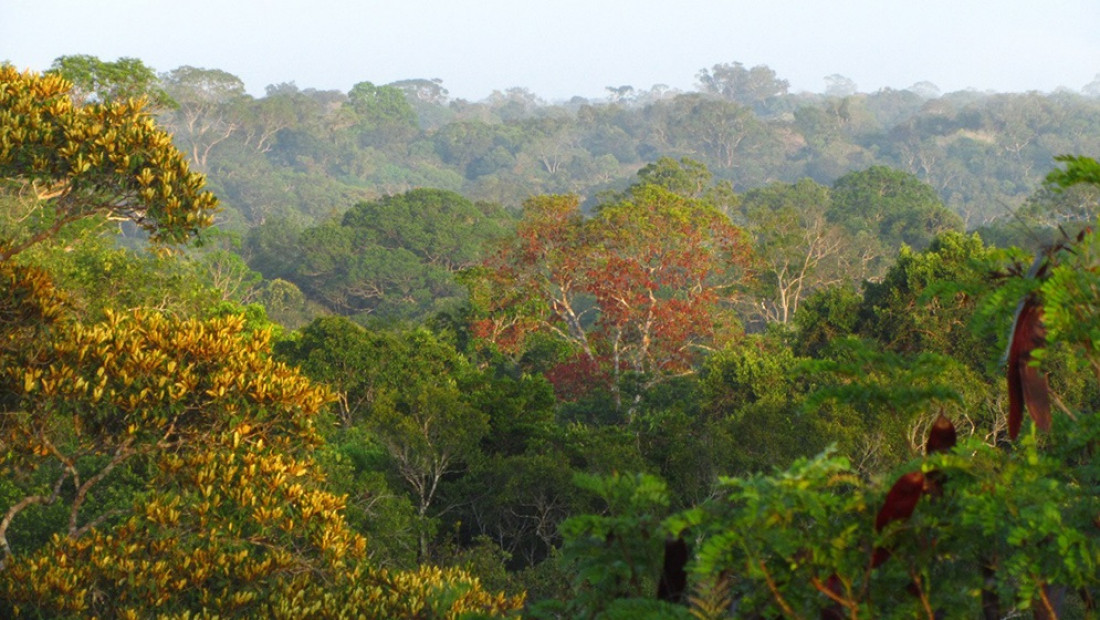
{"type": "Point", "coordinates": [881, 401]}
{"type": "Point", "coordinates": [1079, 169]}
{"type": "Point", "coordinates": [381, 108]}
{"type": "Point", "coordinates": [1071, 299]}
{"type": "Point", "coordinates": [157, 464]}
{"type": "Point", "coordinates": [892, 205]}
{"type": "Point", "coordinates": [307, 152]}
{"type": "Point", "coordinates": [827, 315]}
{"type": "Point", "coordinates": [395, 258]}
{"type": "Point", "coordinates": [798, 250]}
{"type": "Point", "coordinates": [688, 178]}
{"type": "Point", "coordinates": [748, 86]}
{"type": "Point", "coordinates": [100, 276]}
{"type": "Point", "coordinates": [753, 403]}
{"type": "Point", "coordinates": [346, 358]}
{"type": "Point", "coordinates": [926, 299]}
{"type": "Point", "coordinates": [375, 506]}
{"type": "Point", "coordinates": [777, 538]}
{"type": "Point", "coordinates": [617, 554]}
{"type": "Point", "coordinates": [97, 80]}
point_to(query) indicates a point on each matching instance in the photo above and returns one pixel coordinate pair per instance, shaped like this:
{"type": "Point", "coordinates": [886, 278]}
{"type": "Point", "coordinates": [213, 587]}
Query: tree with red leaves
{"type": "Point", "coordinates": [641, 288]}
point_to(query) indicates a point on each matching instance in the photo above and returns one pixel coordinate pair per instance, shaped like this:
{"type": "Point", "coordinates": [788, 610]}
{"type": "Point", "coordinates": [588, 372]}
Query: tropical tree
{"type": "Point", "coordinates": [396, 257]}
{"type": "Point", "coordinates": [799, 250]}
{"type": "Point", "coordinates": [221, 507]}
{"type": "Point", "coordinates": [892, 205]}
{"type": "Point", "coordinates": [204, 116]}
{"type": "Point", "coordinates": [751, 87]}
{"type": "Point", "coordinates": [73, 162]}
{"type": "Point", "coordinates": [96, 80]}
{"type": "Point", "coordinates": [638, 290]}
{"type": "Point", "coordinates": [383, 113]}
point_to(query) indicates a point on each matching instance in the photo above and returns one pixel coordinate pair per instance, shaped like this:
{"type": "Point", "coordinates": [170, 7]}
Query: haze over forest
{"type": "Point", "coordinates": [719, 351]}
{"type": "Point", "coordinates": [574, 47]}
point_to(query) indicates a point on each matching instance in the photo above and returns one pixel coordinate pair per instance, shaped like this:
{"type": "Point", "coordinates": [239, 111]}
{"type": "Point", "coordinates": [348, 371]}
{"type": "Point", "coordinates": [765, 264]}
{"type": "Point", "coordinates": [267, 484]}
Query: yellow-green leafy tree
{"type": "Point", "coordinates": [153, 466]}
{"type": "Point", "coordinates": [68, 162]}
{"type": "Point", "coordinates": [233, 516]}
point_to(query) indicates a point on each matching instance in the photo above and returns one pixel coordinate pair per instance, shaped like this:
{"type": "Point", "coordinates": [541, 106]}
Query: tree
{"type": "Point", "coordinates": [721, 131]}
{"type": "Point", "coordinates": [440, 227]}
{"type": "Point", "coordinates": [799, 250]}
{"type": "Point", "coordinates": [475, 147]}
{"type": "Point", "coordinates": [837, 85]}
{"type": "Point", "coordinates": [411, 392]}
{"type": "Point", "coordinates": [345, 357]}
{"type": "Point", "coordinates": [638, 290]}
{"type": "Point", "coordinates": [396, 257]}
{"type": "Point", "coordinates": [617, 554]}
{"type": "Point", "coordinates": [752, 415]}
{"type": "Point", "coordinates": [98, 275]}
{"type": "Point", "coordinates": [95, 80]}
{"type": "Point", "coordinates": [203, 117]}
{"type": "Point", "coordinates": [75, 162]}
{"type": "Point", "coordinates": [178, 451]}
{"type": "Point", "coordinates": [892, 206]}
{"type": "Point", "coordinates": [95, 400]}
{"type": "Point", "coordinates": [383, 113]}
{"type": "Point", "coordinates": [261, 120]}
{"type": "Point", "coordinates": [752, 87]}
{"type": "Point", "coordinates": [429, 99]}
{"type": "Point", "coordinates": [925, 300]}
{"type": "Point", "coordinates": [667, 264]}
{"type": "Point", "coordinates": [424, 419]}
{"type": "Point", "coordinates": [686, 177]}
{"type": "Point", "coordinates": [514, 103]}
{"type": "Point", "coordinates": [426, 91]}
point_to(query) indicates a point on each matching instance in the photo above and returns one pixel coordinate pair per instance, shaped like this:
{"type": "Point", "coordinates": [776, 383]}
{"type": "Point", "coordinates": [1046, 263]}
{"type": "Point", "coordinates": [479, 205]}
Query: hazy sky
{"type": "Point", "coordinates": [561, 48]}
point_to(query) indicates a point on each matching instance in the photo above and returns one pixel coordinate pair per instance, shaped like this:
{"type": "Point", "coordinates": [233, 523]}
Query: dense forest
{"type": "Point", "coordinates": [729, 353]}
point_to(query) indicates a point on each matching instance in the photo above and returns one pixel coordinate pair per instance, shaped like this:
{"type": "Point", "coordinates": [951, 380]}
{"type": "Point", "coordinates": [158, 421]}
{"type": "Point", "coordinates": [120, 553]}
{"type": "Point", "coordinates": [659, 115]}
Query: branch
{"type": "Point", "coordinates": [836, 598]}
{"type": "Point", "coordinates": [19, 507]}
{"type": "Point", "coordinates": [787, 611]}
{"type": "Point", "coordinates": [95, 522]}
{"type": "Point", "coordinates": [1047, 606]}
{"type": "Point", "coordinates": [121, 453]}
{"type": "Point", "coordinates": [10, 251]}
{"type": "Point", "coordinates": [924, 597]}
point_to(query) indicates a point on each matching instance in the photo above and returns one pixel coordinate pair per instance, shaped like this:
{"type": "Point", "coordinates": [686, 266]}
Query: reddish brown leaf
{"type": "Point", "coordinates": [835, 611]}
{"type": "Point", "coordinates": [881, 554]}
{"type": "Point", "coordinates": [900, 503]}
{"type": "Point", "coordinates": [1027, 386]}
{"type": "Point", "coordinates": [902, 499]}
{"type": "Point", "coordinates": [941, 437]}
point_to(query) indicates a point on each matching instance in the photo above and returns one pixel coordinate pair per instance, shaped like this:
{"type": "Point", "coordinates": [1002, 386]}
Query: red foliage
{"type": "Point", "coordinates": [644, 286]}
{"type": "Point", "coordinates": [577, 377]}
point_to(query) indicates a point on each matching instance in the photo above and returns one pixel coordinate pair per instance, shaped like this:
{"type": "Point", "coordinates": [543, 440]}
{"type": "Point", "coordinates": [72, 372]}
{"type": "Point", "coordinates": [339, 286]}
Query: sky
{"type": "Point", "coordinates": [564, 48]}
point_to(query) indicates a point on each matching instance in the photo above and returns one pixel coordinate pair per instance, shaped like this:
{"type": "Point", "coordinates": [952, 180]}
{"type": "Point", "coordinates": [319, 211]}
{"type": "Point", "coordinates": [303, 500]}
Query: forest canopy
{"type": "Point", "coordinates": [736, 352]}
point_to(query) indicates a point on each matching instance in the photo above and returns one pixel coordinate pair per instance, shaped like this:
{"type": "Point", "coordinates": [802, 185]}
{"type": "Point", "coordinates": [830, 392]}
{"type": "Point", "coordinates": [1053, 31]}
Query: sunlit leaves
{"type": "Point", "coordinates": [159, 375]}
{"type": "Point", "coordinates": [234, 518]}
{"type": "Point", "coordinates": [107, 158]}
{"type": "Point", "coordinates": [241, 531]}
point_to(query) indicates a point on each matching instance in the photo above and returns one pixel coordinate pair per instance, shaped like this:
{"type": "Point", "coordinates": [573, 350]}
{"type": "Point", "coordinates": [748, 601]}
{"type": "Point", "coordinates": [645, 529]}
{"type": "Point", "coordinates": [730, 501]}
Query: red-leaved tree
{"type": "Point", "coordinates": [639, 289]}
